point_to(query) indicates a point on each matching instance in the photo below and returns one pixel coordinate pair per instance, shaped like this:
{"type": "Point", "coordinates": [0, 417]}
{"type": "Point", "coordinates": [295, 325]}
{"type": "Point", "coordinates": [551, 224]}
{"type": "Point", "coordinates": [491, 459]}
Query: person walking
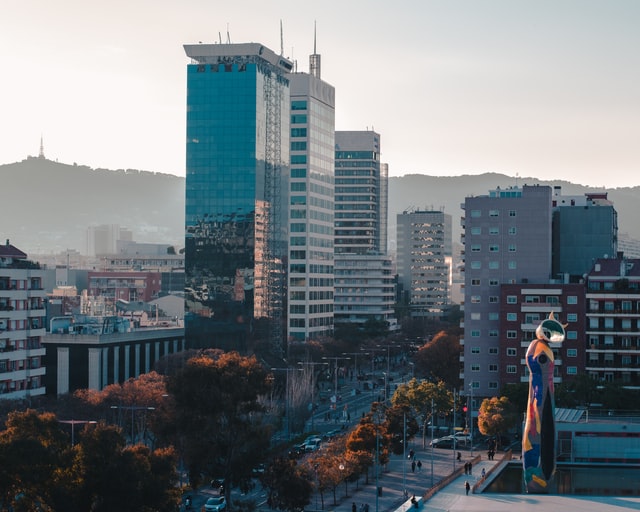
{"type": "Point", "coordinates": [413, 466]}
{"type": "Point", "coordinates": [419, 466]}
{"type": "Point", "coordinates": [354, 508]}
{"type": "Point", "coordinates": [467, 486]}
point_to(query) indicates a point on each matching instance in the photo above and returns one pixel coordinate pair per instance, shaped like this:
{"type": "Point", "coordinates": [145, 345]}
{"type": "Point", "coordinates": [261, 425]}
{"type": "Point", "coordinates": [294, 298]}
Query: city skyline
{"type": "Point", "coordinates": [542, 89]}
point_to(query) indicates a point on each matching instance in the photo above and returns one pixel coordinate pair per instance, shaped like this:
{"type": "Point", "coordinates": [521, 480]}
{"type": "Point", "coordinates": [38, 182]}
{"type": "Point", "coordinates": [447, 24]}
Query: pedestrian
{"type": "Point", "coordinates": [411, 454]}
{"type": "Point", "coordinates": [366, 507]}
{"type": "Point", "coordinates": [483, 472]}
{"type": "Point", "coordinates": [413, 466]}
{"type": "Point", "coordinates": [353, 507]}
{"type": "Point", "coordinates": [419, 465]}
{"type": "Point", "coordinates": [459, 457]}
{"type": "Point", "coordinates": [467, 487]}
{"type": "Point", "coordinates": [470, 467]}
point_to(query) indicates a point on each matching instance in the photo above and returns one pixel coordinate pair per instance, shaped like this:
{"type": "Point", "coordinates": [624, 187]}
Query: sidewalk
{"type": "Point", "coordinates": [393, 481]}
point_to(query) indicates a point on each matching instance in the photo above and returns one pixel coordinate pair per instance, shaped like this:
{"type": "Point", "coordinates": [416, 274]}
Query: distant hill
{"type": "Point", "coordinates": [47, 206]}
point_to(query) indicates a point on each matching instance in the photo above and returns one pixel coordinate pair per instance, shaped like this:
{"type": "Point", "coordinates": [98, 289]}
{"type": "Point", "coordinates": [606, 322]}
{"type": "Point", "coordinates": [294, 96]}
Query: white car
{"type": "Point", "coordinates": [312, 445]}
{"type": "Point", "coordinates": [461, 437]}
{"type": "Point", "coordinates": [215, 504]}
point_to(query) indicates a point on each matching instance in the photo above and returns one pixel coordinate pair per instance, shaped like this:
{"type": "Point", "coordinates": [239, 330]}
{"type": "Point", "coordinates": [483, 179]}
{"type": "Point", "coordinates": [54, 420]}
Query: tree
{"type": "Point", "coordinates": [289, 487]}
{"type": "Point", "coordinates": [219, 416]}
{"type": "Point", "coordinates": [496, 416]}
{"type": "Point", "coordinates": [439, 359]}
{"type": "Point", "coordinates": [401, 425]}
{"type": "Point", "coordinates": [424, 398]}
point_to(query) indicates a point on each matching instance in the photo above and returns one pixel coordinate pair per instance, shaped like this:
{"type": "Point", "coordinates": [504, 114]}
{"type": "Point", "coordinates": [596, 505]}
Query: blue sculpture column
{"type": "Point", "coordinates": [539, 437]}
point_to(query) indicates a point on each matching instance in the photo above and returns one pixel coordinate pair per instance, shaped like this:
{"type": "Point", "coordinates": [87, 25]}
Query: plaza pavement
{"type": "Point", "coordinates": [452, 497]}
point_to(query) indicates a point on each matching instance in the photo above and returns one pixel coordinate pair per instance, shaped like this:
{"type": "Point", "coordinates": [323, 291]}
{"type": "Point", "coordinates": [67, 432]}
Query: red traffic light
{"type": "Point", "coordinates": [464, 409]}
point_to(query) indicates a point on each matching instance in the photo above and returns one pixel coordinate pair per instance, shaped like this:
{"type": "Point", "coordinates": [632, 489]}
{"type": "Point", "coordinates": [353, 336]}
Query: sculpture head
{"type": "Point", "coordinates": [550, 330]}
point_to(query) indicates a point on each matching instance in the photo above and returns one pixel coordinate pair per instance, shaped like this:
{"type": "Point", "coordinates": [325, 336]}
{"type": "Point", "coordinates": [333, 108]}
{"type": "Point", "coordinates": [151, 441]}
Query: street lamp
{"type": "Point", "coordinates": [133, 409]}
{"type": "Point", "coordinates": [335, 376]}
{"type": "Point", "coordinates": [73, 423]}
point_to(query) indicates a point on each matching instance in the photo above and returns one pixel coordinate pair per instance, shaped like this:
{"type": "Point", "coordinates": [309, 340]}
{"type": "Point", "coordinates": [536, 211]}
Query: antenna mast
{"type": "Point", "coordinates": [281, 40]}
{"type": "Point", "coordinates": [314, 60]}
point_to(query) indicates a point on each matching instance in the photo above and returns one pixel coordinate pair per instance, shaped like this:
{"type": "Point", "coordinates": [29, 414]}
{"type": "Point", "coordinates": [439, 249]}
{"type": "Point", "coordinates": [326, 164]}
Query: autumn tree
{"type": "Point", "coordinates": [496, 416]}
{"type": "Point", "coordinates": [288, 486]}
{"type": "Point", "coordinates": [401, 425]}
{"type": "Point", "coordinates": [439, 359]}
{"type": "Point", "coordinates": [426, 400]}
{"type": "Point", "coordinates": [219, 416]}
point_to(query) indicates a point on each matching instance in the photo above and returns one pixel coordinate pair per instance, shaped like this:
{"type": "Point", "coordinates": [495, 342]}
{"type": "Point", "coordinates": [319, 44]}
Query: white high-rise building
{"type": "Point", "coordinates": [311, 206]}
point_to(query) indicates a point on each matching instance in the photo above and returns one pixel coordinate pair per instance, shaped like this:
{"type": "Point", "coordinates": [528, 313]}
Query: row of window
{"type": "Point", "coordinates": [477, 230]}
{"type": "Point", "coordinates": [492, 248]}
{"type": "Point", "coordinates": [476, 214]}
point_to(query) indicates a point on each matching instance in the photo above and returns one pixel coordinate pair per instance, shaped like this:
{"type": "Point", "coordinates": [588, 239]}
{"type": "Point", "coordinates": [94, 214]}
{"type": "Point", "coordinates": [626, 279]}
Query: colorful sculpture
{"type": "Point", "coordinates": [539, 437]}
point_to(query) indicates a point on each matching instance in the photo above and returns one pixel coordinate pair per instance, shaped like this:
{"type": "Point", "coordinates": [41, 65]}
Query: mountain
{"type": "Point", "coordinates": [47, 206]}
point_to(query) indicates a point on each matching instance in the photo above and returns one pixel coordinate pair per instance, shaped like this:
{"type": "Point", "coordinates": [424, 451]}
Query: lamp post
{"type": "Point", "coordinates": [471, 415]}
{"type": "Point", "coordinates": [335, 376]}
{"type": "Point", "coordinates": [432, 425]}
{"type": "Point", "coordinates": [73, 424]}
{"type": "Point", "coordinates": [133, 409]}
{"type": "Point", "coordinates": [388, 347]}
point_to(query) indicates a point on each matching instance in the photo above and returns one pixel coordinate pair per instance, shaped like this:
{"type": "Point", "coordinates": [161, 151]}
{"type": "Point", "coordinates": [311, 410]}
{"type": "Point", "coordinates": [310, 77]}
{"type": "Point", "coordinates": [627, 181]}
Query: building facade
{"type": "Point", "coordinates": [127, 286]}
{"type": "Point", "coordinates": [522, 308]}
{"type": "Point", "coordinates": [613, 321]}
{"type": "Point", "coordinates": [237, 169]}
{"type": "Point", "coordinates": [365, 287]}
{"type": "Point", "coordinates": [311, 207]}
{"type": "Point", "coordinates": [424, 259]}
{"type": "Point", "coordinates": [585, 228]}
{"type": "Point", "coordinates": [507, 239]}
{"type": "Point", "coordinates": [22, 325]}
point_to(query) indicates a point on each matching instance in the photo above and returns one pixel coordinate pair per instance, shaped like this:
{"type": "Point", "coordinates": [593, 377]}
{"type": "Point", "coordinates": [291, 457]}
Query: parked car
{"type": "Point", "coordinates": [215, 504]}
{"type": "Point", "coordinates": [461, 437]}
{"type": "Point", "coordinates": [312, 444]}
{"type": "Point", "coordinates": [444, 442]}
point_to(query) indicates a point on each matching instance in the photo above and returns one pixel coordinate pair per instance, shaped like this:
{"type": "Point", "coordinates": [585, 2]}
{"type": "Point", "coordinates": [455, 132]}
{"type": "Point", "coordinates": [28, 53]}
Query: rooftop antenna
{"type": "Point", "coordinates": [41, 154]}
{"type": "Point", "coordinates": [228, 36]}
{"type": "Point", "coordinates": [220, 37]}
{"type": "Point", "coordinates": [281, 40]}
{"type": "Point", "coordinates": [314, 60]}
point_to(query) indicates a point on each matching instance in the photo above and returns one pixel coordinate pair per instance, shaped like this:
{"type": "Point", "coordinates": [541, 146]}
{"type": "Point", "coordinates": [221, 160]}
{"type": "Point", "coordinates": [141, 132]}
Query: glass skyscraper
{"type": "Point", "coordinates": [237, 162]}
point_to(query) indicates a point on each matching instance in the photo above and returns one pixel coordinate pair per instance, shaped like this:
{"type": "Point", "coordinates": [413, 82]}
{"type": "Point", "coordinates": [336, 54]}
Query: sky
{"type": "Point", "coordinates": [541, 88]}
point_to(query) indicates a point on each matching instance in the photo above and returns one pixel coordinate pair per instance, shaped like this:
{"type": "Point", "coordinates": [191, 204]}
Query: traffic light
{"type": "Point", "coordinates": [465, 409]}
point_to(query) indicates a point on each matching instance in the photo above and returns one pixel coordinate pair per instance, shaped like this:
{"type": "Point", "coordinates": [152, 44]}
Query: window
{"type": "Point", "coordinates": [494, 315]}
{"type": "Point", "coordinates": [494, 282]}
{"type": "Point", "coordinates": [608, 323]}
{"type": "Point", "coordinates": [493, 385]}
{"type": "Point", "coordinates": [532, 299]}
{"type": "Point", "coordinates": [512, 247]}
{"type": "Point", "coordinates": [512, 317]}
{"type": "Point", "coordinates": [494, 248]}
{"type": "Point", "coordinates": [475, 299]}
{"type": "Point", "coordinates": [513, 265]}
{"type": "Point", "coordinates": [512, 299]}
{"type": "Point", "coordinates": [531, 318]}
{"type": "Point", "coordinates": [572, 299]}
{"type": "Point", "coordinates": [512, 213]}
{"type": "Point", "coordinates": [475, 350]}
{"type": "Point", "coordinates": [476, 265]}
{"type": "Point", "coordinates": [493, 368]}
{"type": "Point", "coordinates": [593, 323]}
{"type": "Point", "coordinates": [494, 265]}
{"type": "Point", "coordinates": [572, 335]}
{"type": "Point", "coordinates": [512, 352]}
{"type": "Point", "coordinates": [572, 352]}
{"type": "Point", "coordinates": [626, 305]}
{"type": "Point", "coordinates": [475, 333]}
{"type": "Point", "coordinates": [493, 351]}
{"type": "Point", "coordinates": [475, 282]}
{"type": "Point", "coordinates": [494, 231]}
{"type": "Point", "coordinates": [572, 317]}
{"type": "Point", "coordinates": [475, 367]}
{"type": "Point", "coordinates": [512, 230]}
{"type": "Point", "coordinates": [572, 370]}
{"type": "Point", "coordinates": [476, 231]}
{"type": "Point", "coordinates": [608, 305]}
{"type": "Point", "coordinates": [512, 368]}
{"type": "Point", "coordinates": [476, 316]}
{"type": "Point", "coordinates": [512, 335]}
{"type": "Point", "coordinates": [476, 247]}
{"type": "Point", "coordinates": [493, 333]}
{"type": "Point", "coordinates": [493, 299]}
{"type": "Point", "coordinates": [475, 214]}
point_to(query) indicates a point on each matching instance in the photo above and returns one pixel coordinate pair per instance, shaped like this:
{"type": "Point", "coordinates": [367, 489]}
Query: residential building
{"type": "Point", "coordinates": [311, 207]}
{"type": "Point", "coordinates": [585, 228]}
{"type": "Point", "coordinates": [22, 325]}
{"type": "Point", "coordinates": [522, 308]}
{"type": "Point", "coordinates": [424, 259]}
{"type": "Point", "coordinates": [613, 321]}
{"type": "Point", "coordinates": [507, 238]}
{"type": "Point", "coordinates": [127, 286]}
{"type": "Point", "coordinates": [363, 292]}
{"type": "Point", "coordinates": [237, 186]}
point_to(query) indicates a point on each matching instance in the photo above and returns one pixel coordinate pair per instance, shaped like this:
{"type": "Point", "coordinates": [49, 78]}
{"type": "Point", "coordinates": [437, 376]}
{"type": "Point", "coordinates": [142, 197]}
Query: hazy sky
{"type": "Point", "coordinates": [544, 88]}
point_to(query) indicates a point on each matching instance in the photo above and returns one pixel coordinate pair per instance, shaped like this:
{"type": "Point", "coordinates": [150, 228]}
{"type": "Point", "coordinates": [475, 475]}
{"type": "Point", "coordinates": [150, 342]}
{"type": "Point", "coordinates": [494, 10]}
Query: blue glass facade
{"type": "Point", "coordinates": [236, 178]}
